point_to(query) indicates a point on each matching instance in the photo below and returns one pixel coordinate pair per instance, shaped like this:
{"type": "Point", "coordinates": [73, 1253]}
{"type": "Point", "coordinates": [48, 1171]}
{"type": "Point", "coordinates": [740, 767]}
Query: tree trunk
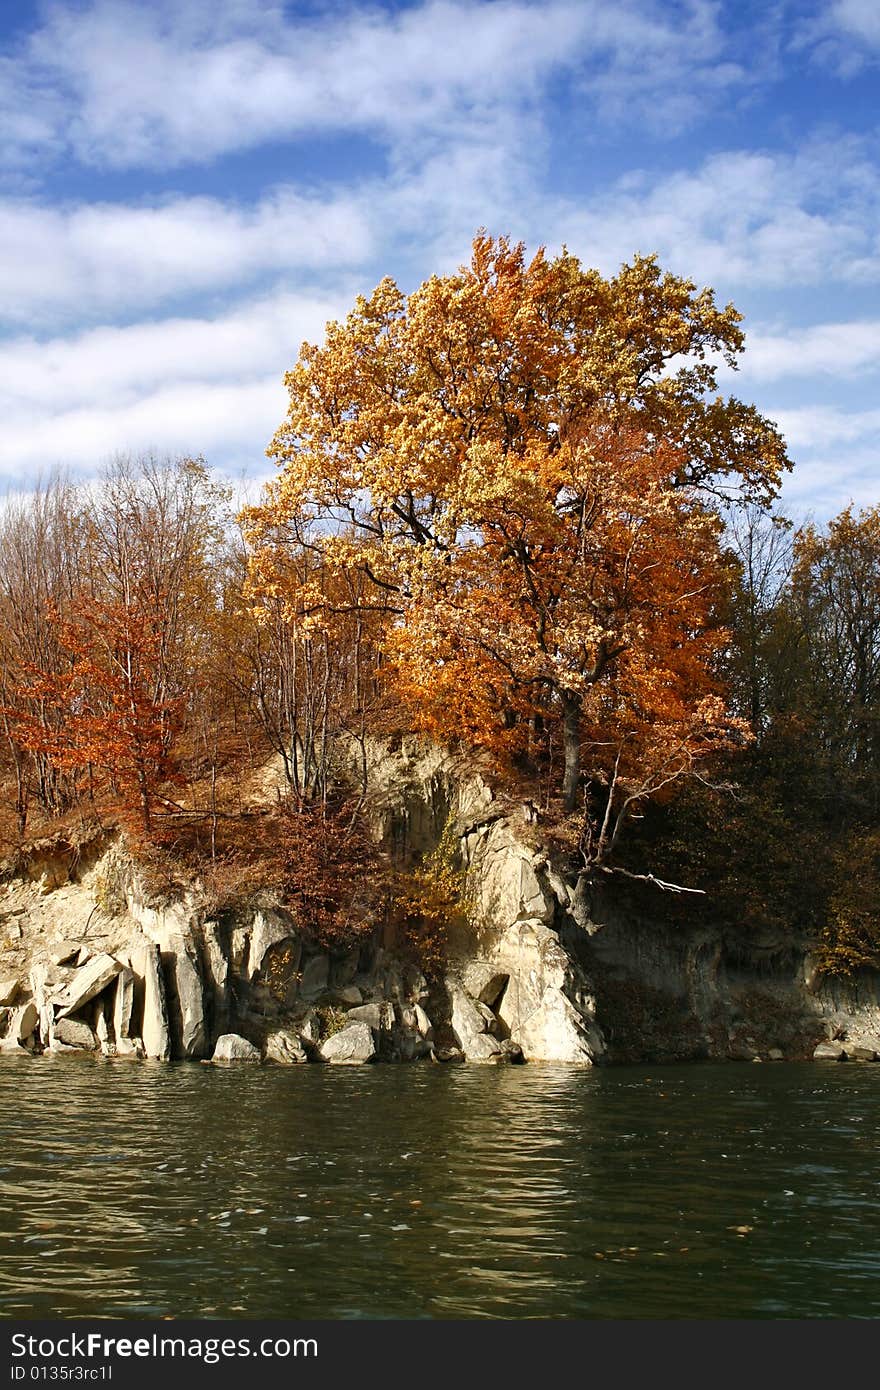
{"type": "Point", "coordinates": [571, 739]}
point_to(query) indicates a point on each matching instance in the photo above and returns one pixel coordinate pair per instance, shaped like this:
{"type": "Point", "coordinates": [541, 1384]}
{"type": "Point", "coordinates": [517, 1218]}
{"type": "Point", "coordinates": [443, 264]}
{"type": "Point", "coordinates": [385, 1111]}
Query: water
{"type": "Point", "coordinates": [142, 1190]}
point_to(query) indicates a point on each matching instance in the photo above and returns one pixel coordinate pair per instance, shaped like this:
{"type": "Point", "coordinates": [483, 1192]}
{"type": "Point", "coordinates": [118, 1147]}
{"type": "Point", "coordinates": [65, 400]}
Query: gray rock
{"type": "Point", "coordinates": [87, 983]}
{"type": "Point", "coordinates": [216, 964]}
{"type": "Point", "coordinates": [270, 929]}
{"type": "Point", "coordinates": [343, 969]}
{"type": "Point", "coordinates": [22, 1023]}
{"type": "Point", "coordinates": [547, 1006]}
{"type": "Point", "coordinates": [65, 951]}
{"type": "Point", "coordinates": [469, 1026]}
{"type": "Point", "coordinates": [348, 995]}
{"type": "Point", "coordinates": [102, 1028]}
{"type": "Point", "coordinates": [830, 1052]}
{"type": "Point", "coordinates": [43, 990]}
{"type": "Point", "coordinates": [145, 962]}
{"type": "Point", "coordinates": [776, 1055]}
{"type": "Point", "coordinates": [351, 1046]}
{"type": "Point", "coordinates": [284, 1048]}
{"type": "Point", "coordinates": [860, 1052]}
{"type": "Point", "coordinates": [8, 991]}
{"type": "Point", "coordinates": [449, 1054]}
{"type": "Point", "coordinates": [309, 1027]}
{"type": "Point", "coordinates": [232, 1047]}
{"type": "Point", "coordinates": [423, 1023]}
{"type": "Point", "coordinates": [484, 981]}
{"type": "Point", "coordinates": [315, 974]}
{"type": "Point", "coordinates": [371, 1014]}
{"type": "Point", "coordinates": [73, 1032]}
{"type": "Point", "coordinates": [123, 1003]}
{"type": "Point", "coordinates": [187, 1001]}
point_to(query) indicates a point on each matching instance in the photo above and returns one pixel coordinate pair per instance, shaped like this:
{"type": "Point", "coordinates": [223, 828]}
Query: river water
{"type": "Point", "coordinates": [143, 1190]}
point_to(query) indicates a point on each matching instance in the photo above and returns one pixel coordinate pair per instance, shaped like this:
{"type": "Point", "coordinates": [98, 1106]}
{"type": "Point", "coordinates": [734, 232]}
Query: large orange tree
{"type": "Point", "coordinates": [522, 461]}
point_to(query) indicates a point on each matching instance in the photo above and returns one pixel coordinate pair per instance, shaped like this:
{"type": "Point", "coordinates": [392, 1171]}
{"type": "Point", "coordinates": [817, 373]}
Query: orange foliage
{"type": "Point", "coordinates": [109, 721]}
{"type": "Point", "coordinates": [518, 459]}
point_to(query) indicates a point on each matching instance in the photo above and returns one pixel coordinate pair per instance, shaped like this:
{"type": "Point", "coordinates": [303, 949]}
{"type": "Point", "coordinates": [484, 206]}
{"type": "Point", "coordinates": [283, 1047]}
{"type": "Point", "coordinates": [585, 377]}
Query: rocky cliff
{"type": "Point", "coordinates": [90, 962]}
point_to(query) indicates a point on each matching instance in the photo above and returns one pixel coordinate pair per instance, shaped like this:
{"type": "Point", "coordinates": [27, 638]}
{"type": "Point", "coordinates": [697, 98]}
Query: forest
{"type": "Point", "coordinates": [512, 513]}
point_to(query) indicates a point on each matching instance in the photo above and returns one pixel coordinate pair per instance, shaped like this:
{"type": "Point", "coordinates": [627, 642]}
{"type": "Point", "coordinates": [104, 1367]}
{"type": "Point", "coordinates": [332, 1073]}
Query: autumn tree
{"type": "Point", "coordinates": [110, 650]}
{"type": "Point", "coordinates": [520, 460]}
{"type": "Point", "coordinates": [41, 538]}
{"type": "Point", "coordinates": [107, 721]}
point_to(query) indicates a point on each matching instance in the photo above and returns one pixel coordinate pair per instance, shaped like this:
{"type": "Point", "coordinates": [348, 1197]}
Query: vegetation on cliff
{"type": "Point", "coordinates": [514, 513]}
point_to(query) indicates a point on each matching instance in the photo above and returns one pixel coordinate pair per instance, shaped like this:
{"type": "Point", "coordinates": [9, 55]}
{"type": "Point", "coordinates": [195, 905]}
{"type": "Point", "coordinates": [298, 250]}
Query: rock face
{"type": "Point", "coordinates": [547, 1006]}
{"type": "Point", "coordinates": [88, 960]}
{"type": "Point", "coordinates": [350, 1046]}
{"type": "Point", "coordinates": [87, 983]}
{"type": "Point", "coordinates": [231, 1047]}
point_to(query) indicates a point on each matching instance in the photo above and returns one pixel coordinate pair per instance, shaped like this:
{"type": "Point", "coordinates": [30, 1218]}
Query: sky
{"type": "Point", "coordinates": [190, 188]}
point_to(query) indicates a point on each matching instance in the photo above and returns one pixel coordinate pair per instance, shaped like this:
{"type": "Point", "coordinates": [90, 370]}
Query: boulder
{"type": "Point", "coordinates": [232, 1047]}
{"type": "Point", "coordinates": [449, 1054]}
{"type": "Point", "coordinates": [87, 983]}
{"type": "Point", "coordinates": [284, 1048]}
{"type": "Point", "coordinates": [469, 1026]}
{"type": "Point", "coordinates": [776, 1055]}
{"type": "Point", "coordinates": [351, 1045]}
{"type": "Point", "coordinates": [8, 991]}
{"type": "Point", "coordinates": [343, 969]}
{"type": "Point", "coordinates": [861, 1052]}
{"type": "Point", "coordinates": [830, 1052]}
{"type": "Point", "coordinates": [371, 1014]}
{"type": "Point", "coordinates": [507, 884]}
{"type": "Point", "coordinates": [73, 1032]}
{"type": "Point", "coordinates": [43, 991]}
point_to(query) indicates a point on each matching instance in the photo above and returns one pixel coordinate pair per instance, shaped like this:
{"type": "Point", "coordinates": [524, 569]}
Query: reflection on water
{"type": "Point", "coordinates": [143, 1190]}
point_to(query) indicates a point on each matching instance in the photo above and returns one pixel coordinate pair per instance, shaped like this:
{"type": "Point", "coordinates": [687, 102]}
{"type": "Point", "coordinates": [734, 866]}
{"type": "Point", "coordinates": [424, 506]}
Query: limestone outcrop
{"type": "Point", "coordinates": [91, 962]}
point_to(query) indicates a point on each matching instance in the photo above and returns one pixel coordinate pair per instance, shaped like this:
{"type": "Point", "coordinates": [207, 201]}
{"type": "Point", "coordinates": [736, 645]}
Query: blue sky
{"type": "Point", "coordinates": [188, 188]}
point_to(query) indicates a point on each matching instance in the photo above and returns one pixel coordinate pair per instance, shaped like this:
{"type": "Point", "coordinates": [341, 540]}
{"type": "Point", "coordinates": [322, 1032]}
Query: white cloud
{"type": "Point", "coordinates": [842, 34]}
{"type": "Point", "coordinates": [99, 259]}
{"type": "Point", "coordinates": [826, 349]}
{"type": "Point", "coordinates": [820, 426]}
{"type": "Point", "coordinates": [211, 386]}
{"type": "Point", "coordinates": [127, 85]}
{"type": "Point", "coordinates": [223, 421]}
{"type": "Point", "coordinates": [744, 217]}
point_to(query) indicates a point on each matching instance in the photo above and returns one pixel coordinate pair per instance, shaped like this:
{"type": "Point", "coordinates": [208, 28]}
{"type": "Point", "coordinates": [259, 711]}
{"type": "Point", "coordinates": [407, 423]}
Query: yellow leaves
{"type": "Point", "coordinates": [510, 460]}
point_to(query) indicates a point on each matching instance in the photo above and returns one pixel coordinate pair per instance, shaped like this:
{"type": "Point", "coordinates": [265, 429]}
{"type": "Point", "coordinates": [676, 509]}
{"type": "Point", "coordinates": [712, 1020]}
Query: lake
{"type": "Point", "coordinates": [423, 1191]}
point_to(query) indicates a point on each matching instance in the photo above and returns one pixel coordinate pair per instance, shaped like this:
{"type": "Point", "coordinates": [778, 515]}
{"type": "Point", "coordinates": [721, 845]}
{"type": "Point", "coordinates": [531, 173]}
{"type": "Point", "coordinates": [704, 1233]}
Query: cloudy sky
{"type": "Point", "coordinates": [188, 188]}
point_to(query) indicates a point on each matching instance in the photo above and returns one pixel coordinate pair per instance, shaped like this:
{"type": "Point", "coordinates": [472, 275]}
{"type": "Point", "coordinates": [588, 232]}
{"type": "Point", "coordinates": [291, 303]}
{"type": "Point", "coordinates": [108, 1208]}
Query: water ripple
{"type": "Point", "coordinates": [707, 1191]}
